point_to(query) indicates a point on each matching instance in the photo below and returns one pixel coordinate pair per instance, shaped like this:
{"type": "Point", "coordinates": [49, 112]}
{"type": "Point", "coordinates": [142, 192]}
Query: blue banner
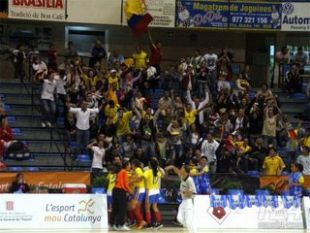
{"type": "Point", "coordinates": [263, 16]}
{"type": "Point", "coordinates": [202, 14]}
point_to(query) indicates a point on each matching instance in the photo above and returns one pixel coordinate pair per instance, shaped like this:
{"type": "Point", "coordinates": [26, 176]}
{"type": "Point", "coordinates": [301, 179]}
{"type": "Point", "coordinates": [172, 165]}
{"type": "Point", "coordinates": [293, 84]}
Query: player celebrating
{"type": "Point", "coordinates": [188, 191]}
{"type": "Point", "coordinates": [139, 193]}
{"type": "Point", "coordinates": [153, 176]}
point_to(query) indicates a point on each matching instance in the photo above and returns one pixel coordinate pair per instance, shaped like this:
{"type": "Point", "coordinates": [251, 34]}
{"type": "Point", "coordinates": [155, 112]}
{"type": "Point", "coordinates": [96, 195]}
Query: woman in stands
{"type": "Point", "coordinates": [153, 177]}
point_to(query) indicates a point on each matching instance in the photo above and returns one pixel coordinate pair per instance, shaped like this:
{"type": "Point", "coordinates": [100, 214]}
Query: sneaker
{"type": "Point", "coordinates": [149, 227]}
{"type": "Point", "coordinates": [115, 228]}
{"type": "Point", "coordinates": [131, 223]}
{"type": "Point", "coordinates": [157, 226]}
{"type": "Point", "coordinates": [49, 124]}
{"type": "Point", "coordinates": [43, 124]}
{"type": "Point", "coordinates": [123, 228]}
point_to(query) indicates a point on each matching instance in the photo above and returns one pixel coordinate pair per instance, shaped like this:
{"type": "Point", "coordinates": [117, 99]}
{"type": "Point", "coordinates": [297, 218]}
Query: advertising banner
{"type": "Point", "coordinates": [48, 10]}
{"type": "Point", "coordinates": [262, 16]}
{"type": "Point", "coordinates": [247, 212]}
{"type": "Point", "coordinates": [202, 14]}
{"type": "Point", "coordinates": [296, 16]}
{"type": "Point", "coordinates": [53, 180]}
{"type": "Point", "coordinates": [306, 206]}
{"type": "Point", "coordinates": [162, 11]}
{"type": "Point", "coordinates": [53, 211]}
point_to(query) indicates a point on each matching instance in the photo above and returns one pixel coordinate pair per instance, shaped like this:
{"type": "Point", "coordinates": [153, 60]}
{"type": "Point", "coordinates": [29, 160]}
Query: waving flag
{"type": "Point", "coordinates": [137, 19]}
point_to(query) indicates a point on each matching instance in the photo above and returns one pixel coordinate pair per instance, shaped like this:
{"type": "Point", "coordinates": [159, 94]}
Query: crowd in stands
{"type": "Point", "coordinates": [206, 111]}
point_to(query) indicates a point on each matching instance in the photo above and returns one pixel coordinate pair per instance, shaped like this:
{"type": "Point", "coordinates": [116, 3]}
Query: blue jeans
{"type": "Point", "coordinates": [82, 139]}
{"type": "Point", "coordinates": [49, 110]}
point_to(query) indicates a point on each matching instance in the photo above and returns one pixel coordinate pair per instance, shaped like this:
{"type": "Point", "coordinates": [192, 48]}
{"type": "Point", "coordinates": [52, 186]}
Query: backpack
{"type": "Point", "coordinates": [18, 151]}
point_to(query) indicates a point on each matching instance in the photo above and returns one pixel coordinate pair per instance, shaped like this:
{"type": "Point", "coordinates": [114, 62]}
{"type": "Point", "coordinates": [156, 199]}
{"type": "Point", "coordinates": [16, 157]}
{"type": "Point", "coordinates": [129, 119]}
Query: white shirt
{"type": "Point", "coordinates": [60, 85]}
{"type": "Point", "coordinates": [48, 89]}
{"type": "Point", "coordinates": [208, 149]}
{"type": "Point", "coordinates": [211, 60]}
{"type": "Point", "coordinates": [187, 185]}
{"type": "Point", "coordinates": [98, 157]}
{"type": "Point", "coordinates": [200, 105]}
{"type": "Point", "coordinates": [304, 160]}
{"type": "Point", "coordinates": [82, 118]}
{"type": "Point", "coordinates": [40, 67]}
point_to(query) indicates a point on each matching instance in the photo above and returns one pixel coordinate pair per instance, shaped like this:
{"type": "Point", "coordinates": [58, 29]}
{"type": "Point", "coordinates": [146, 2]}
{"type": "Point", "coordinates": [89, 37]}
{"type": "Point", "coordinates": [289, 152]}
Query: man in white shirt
{"type": "Point", "coordinates": [208, 148]}
{"type": "Point", "coordinates": [211, 63]}
{"type": "Point", "coordinates": [39, 69]}
{"type": "Point", "coordinates": [48, 100]}
{"type": "Point", "coordinates": [82, 124]}
{"type": "Point", "coordinates": [304, 160]}
{"type": "Point", "coordinates": [98, 158]}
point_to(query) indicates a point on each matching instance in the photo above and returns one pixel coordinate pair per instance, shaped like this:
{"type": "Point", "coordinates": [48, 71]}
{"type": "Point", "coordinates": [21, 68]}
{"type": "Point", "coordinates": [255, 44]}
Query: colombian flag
{"type": "Point", "coordinates": [137, 19]}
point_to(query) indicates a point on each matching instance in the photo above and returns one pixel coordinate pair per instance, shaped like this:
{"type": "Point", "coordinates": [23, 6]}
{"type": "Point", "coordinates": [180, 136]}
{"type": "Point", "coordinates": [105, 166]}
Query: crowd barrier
{"type": "Point", "coordinates": [89, 211]}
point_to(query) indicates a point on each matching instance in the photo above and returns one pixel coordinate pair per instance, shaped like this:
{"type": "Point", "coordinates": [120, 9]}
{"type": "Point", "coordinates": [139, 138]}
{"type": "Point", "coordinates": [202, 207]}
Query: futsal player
{"type": "Point", "coordinates": [186, 214]}
{"type": "Point", "coordinates": [153, 175]}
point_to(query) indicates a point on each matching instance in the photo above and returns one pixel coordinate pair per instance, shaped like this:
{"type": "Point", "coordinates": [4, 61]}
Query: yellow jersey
{"type": "Point", "coordinates": [152, 183]}
{"type": "Point", "coordinates": [123, 125]}
{"type": "Point", "coordinates": [273, 165]}
{"type": "Point", "coordinates": [140, 60]}
{"type": "Point", "coordinates": [114, 80]}
{"type": "Point", "coordinates": [138, 172]}
{"type": "Point", "coordinates": [108, 111]}
{"type": "Point", "coordinates": [111, 182]}
{"type": "Point", "coordinates": [190, 117]}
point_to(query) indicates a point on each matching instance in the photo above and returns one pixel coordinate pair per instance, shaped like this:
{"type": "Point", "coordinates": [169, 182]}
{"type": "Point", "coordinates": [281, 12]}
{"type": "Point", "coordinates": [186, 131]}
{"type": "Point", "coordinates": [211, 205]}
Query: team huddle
{"type": "Point", "coordinates": [134, 192]}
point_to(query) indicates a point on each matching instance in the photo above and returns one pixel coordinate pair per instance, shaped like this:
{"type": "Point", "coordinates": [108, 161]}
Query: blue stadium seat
{"type": "Point", "coordinates": [7, 108]}
{"type": "Point", "coordinates": [235, 191]}
{"type": "Point", "coordinates": [83, 158]}
{"type": "Point", "coordinates": [98, 190]}
{"type": "Point", "coordinates": [262, 192]}
{"type": "Point", "coordinates": [33, 169]}
{"type": "Point", "coordinates": [11, 119]}
{"type": "Point", "coordinates": [17, 131]}
{"type": "Point", "coordinates": [253, 173]}
{"type": "Point", "coordinates": [60, 120]}
{"type": "Point", "coordinates": [16, 169]}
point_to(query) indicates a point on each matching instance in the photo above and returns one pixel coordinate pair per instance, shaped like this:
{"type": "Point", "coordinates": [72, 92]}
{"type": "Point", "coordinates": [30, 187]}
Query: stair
{"type": "Point", "coordinates": [47, 147]}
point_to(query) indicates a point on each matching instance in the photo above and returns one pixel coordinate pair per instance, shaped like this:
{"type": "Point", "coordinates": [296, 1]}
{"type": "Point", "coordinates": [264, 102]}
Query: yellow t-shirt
{"type": "Point", "coordinates": [301, 180]}
{"type": "Point", "coordinates": [272, 165]}
{"type": "Point", "coordinates": [139, 173]}
{"type": "Point", "coordinates": [111, 182]}
{"type": "Point", "coordinates": [190, 117]}
{"type": "Point", "coordinates": [114, 80]}
{"type": "Point", "coordinates": [193, 171]}
{"type": "Point", "coordinates": [108, 111]}
{"type": "Point", "coordinates": [206, 169]}
{"type": "Point", "coordinates": [123, 126]}
{"type": "Point", "coordinates": [152, 183]}
{"type": "Point", "coordinates": [140, 60]}
{"type": "Point", "coordinates": [112, 96]}
{"type": "Point", "coordinates": [306, 142]}
{"type": "Point", "coordinates": [244, 149]}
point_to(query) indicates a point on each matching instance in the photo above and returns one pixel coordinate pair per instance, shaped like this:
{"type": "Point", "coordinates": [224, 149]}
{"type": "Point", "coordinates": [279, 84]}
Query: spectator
{"type": "Point", "coordinates": [98, 158]}
{"type": "Point", "coordinates": [281, 59]}
{"type": "Point", "coordinates": [19, 185]}
{"type": "Point", "coordinates": [211, 60]}
{"type": "Point", "coordinates": [140, 58]}
{"type": "Point", "coordinates": [71, 52]}
{"type": "Point", "coordinates": [82, 115]}
{"type": "Point", "coordinates": [39, 69]}
{"type": "Point", "coordinates": [273, 164]}
{"type": "Point", "coordinates": [304, 160]}
{"type": "Point", "coordinates": [208, 148]}
{"type": "Point", "coordinates": [115, 58]}
{"type": "Point", "coordinates": [156, 55]}
{"type": "Point", "coordinates": [296, 180]}
{"type": "Point", "coordinates": [52, 57]}
{"type": "Point", "coordinates": [19, 57]}
{"type": "Point", "coordinates": [293, 81]}
{"type": "Point", "coordinates": [301, 58]}
{"type": "Point", "coordinates": [98, 53]}
{"type": "Point", "coordinates": [48, 100]}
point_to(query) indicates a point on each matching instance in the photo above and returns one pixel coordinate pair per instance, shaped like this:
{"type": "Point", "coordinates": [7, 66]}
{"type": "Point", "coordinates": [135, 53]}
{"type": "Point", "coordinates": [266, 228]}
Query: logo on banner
{"type": "Point", "coordinates": [217, 208]}
{"type": "Point", "coordinates": [9, 206]}
{"type": "Point", "coordinates": [86, 206]}
{"type": "Point", "coordinates": [288, 8]}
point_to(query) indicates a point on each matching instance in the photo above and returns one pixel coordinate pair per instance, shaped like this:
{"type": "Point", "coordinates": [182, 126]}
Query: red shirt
{"type": "Point", "coordinates": [155, 58]}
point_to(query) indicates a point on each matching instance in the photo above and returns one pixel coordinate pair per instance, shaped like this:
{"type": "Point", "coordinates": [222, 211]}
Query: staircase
{"type": "Point", "coordinates": [49, 147]}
